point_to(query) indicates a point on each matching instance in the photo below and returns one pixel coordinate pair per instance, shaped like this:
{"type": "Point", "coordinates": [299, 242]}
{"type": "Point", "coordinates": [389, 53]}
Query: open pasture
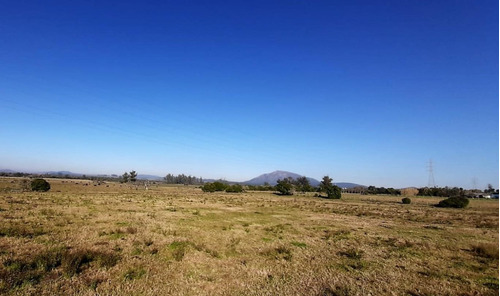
{"type": "Point", "coordinates": [81, 238]}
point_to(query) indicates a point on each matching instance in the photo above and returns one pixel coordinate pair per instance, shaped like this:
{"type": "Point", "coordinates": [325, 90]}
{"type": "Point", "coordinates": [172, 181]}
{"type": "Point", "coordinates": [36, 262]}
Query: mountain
{"type": "Point", "coordinates": [272, 178]}
{"type": "Point", "coordinates": [149, 177]}
{"type": "Point", "coordinates": [61, 173]}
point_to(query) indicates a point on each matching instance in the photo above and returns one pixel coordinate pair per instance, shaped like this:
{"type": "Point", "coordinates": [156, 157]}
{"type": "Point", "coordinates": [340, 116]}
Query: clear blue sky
{"type": "Point", "coordinates": [363, 91]}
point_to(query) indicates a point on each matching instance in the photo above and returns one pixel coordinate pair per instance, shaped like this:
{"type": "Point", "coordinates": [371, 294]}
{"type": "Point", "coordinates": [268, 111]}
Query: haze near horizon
{"type": "Point", "coordinates": [361, 91]}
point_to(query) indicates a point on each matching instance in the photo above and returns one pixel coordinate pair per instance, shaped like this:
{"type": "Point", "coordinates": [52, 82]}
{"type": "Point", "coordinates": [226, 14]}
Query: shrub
{"type": "Point", "coordinates": [40, 185]}
{"type": "Point", "coordinates": [454, 202]}
{"type": "Point", "coordinates": [406, 201]}
{"type": "Point", "coordinates": [219, 186]}
{"type": "Point", "coordinates": [236, 188]}
{"type": "Point", "coordinates": [334, 192]}
{"type": "Point", "coordinates": [208, 187]}
{"type": "Point", "coordinates": [215, 186]}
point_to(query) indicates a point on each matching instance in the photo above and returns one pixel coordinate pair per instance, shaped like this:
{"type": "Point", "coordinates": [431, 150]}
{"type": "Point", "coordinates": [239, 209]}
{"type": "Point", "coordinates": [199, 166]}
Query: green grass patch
{"type": "Point", "coordinates": [299, 244]}
{"type": "Point", "coordinates": [178, 249]}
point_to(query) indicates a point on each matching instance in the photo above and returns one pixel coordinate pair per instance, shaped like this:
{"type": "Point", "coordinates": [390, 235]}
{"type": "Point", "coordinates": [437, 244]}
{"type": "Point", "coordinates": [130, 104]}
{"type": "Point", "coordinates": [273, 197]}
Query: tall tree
{"type": "Point", "coordinates": [332, 191]}
{"type": "Point", "coordinates": [133, 176]}
{"type": "Point", "coordinates": [285, 186]}
{"type": "Point", "coordinates": [303, 184]}
{"type": "Point", "coordinates": [125, 177]}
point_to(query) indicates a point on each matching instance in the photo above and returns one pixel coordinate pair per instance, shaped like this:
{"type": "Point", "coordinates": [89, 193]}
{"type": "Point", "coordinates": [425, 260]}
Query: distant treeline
{"type": "Point", "coordinates": [286, 186]}
{"type": "Point", "coordinates": [183, 179]}
{"type": "Point", "coordinates": [428, 191]}
{"type": "Point", "coordinates": [60, 176]}
{"type": "Point", "coordinates": [382, 190]}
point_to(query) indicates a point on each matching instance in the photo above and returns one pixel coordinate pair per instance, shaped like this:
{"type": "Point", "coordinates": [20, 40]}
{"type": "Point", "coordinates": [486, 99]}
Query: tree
{"type": "Point", "coordinates": [285, 186]}
{"type": "Point", "coordinates": [325, 184]}
{"type": "Point", "coordinates": [182, 179]}
{"type": "Point", "coordinates": [303, 185]}
{"type": "Point", "coordinates": [490, 189]}
{"type": "Point", "coordinates": [133, 176]}
{"type": "Point", "coordinates": [332, 191]}
{"type": "Point", "coordinates": [125, 177]}
{"type": "Point", "coordinates": [40, 185]}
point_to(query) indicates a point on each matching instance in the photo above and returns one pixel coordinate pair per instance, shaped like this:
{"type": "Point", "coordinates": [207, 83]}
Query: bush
{"type": "Point", "coordinates": [40, 185]}
{"type": "Point", "coordinates": [334, 192]}
{"type": "Point", "coordinates": [406, 201]}
{"type": "Point", "coordinates": [215, 186]}
{"type": "Point", "coordinates": [236, 188]}
{"type": "Point", "coordinates": [454, 202]}
{"type": "Point", "coordinates": [208, 187]}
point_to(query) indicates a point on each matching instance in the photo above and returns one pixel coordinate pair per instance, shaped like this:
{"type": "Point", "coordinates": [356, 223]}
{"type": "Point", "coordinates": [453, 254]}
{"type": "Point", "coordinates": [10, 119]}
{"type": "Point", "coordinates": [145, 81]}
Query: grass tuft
{"type": "Point", "coordinates": [278, 253]}
{"type": "Point", "coordinates": [134, 273]}
{"type": "Point", "coordinates": [299, 244]}
{"type": "Point", "coordinates": [486, 250]}
{"type": "Point", "coordinates": [352, 254]}
{"type": "Point", "coordinates": [178, 249]}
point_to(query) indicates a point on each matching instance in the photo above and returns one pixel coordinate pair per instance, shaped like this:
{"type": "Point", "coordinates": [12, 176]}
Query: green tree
{"type": "Point", "coordinates": [133, 176]}
{"type": "Point", "coordinates": [285, 187]}
{"type": "Point", "coordinates": [303, 184]}
{"type": "Point", "coordinates": [332, 191]}
{"type": "Point", "coordinates": [125, 177]}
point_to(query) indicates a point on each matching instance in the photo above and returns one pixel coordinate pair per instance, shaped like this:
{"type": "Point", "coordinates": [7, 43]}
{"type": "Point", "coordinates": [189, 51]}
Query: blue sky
{"type": "Point", "coordinates": [363, 91]}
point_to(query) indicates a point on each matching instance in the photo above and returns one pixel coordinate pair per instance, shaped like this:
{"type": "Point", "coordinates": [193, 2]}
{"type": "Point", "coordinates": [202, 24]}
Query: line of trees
{"type": "Point", "coordinates": [220, 186]}
{"type": "Point", "coordinates": [183, 179]}
{"type": "Point", "coordinates": [382, 190]}
{"type": "Point", "coordinates": [129, 177]}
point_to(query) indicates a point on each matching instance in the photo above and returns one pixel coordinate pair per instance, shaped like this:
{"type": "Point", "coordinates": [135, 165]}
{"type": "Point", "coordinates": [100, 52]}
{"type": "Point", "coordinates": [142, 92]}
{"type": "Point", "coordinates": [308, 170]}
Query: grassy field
{"type": "Point", "coordinates": [110, 239]}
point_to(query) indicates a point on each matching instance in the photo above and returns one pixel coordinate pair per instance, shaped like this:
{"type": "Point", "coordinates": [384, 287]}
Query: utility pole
{"type": "Point", "coordinates": [431, 183]}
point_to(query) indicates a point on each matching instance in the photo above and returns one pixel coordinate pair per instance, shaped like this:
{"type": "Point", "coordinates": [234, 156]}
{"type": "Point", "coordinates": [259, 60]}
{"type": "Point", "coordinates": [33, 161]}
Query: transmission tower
{"type": "Point", "coordinates": [431, 182]}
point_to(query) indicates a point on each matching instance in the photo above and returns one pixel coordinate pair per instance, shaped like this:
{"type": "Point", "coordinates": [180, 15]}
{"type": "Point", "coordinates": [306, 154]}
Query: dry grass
{"type": "Point", "coordinates": [111, 239]}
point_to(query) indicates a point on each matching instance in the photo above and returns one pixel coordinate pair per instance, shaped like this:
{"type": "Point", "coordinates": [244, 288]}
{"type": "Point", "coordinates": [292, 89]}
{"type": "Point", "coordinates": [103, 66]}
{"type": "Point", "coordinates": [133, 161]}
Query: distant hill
{"type": "Point", "coordinates": [78, 175]}
{"type": "Point", "coordinates": [149, 177]}
{"type": "Point", "coordinates": [347, 185]}
{"type": "Point", "coordinates": [272, 178]}
{"type": "Point", "coordinates": [61, 173]}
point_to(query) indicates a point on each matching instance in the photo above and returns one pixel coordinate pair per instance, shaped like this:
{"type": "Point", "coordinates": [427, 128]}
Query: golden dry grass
{"type": "Point", "coordinates": [113, 239]}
